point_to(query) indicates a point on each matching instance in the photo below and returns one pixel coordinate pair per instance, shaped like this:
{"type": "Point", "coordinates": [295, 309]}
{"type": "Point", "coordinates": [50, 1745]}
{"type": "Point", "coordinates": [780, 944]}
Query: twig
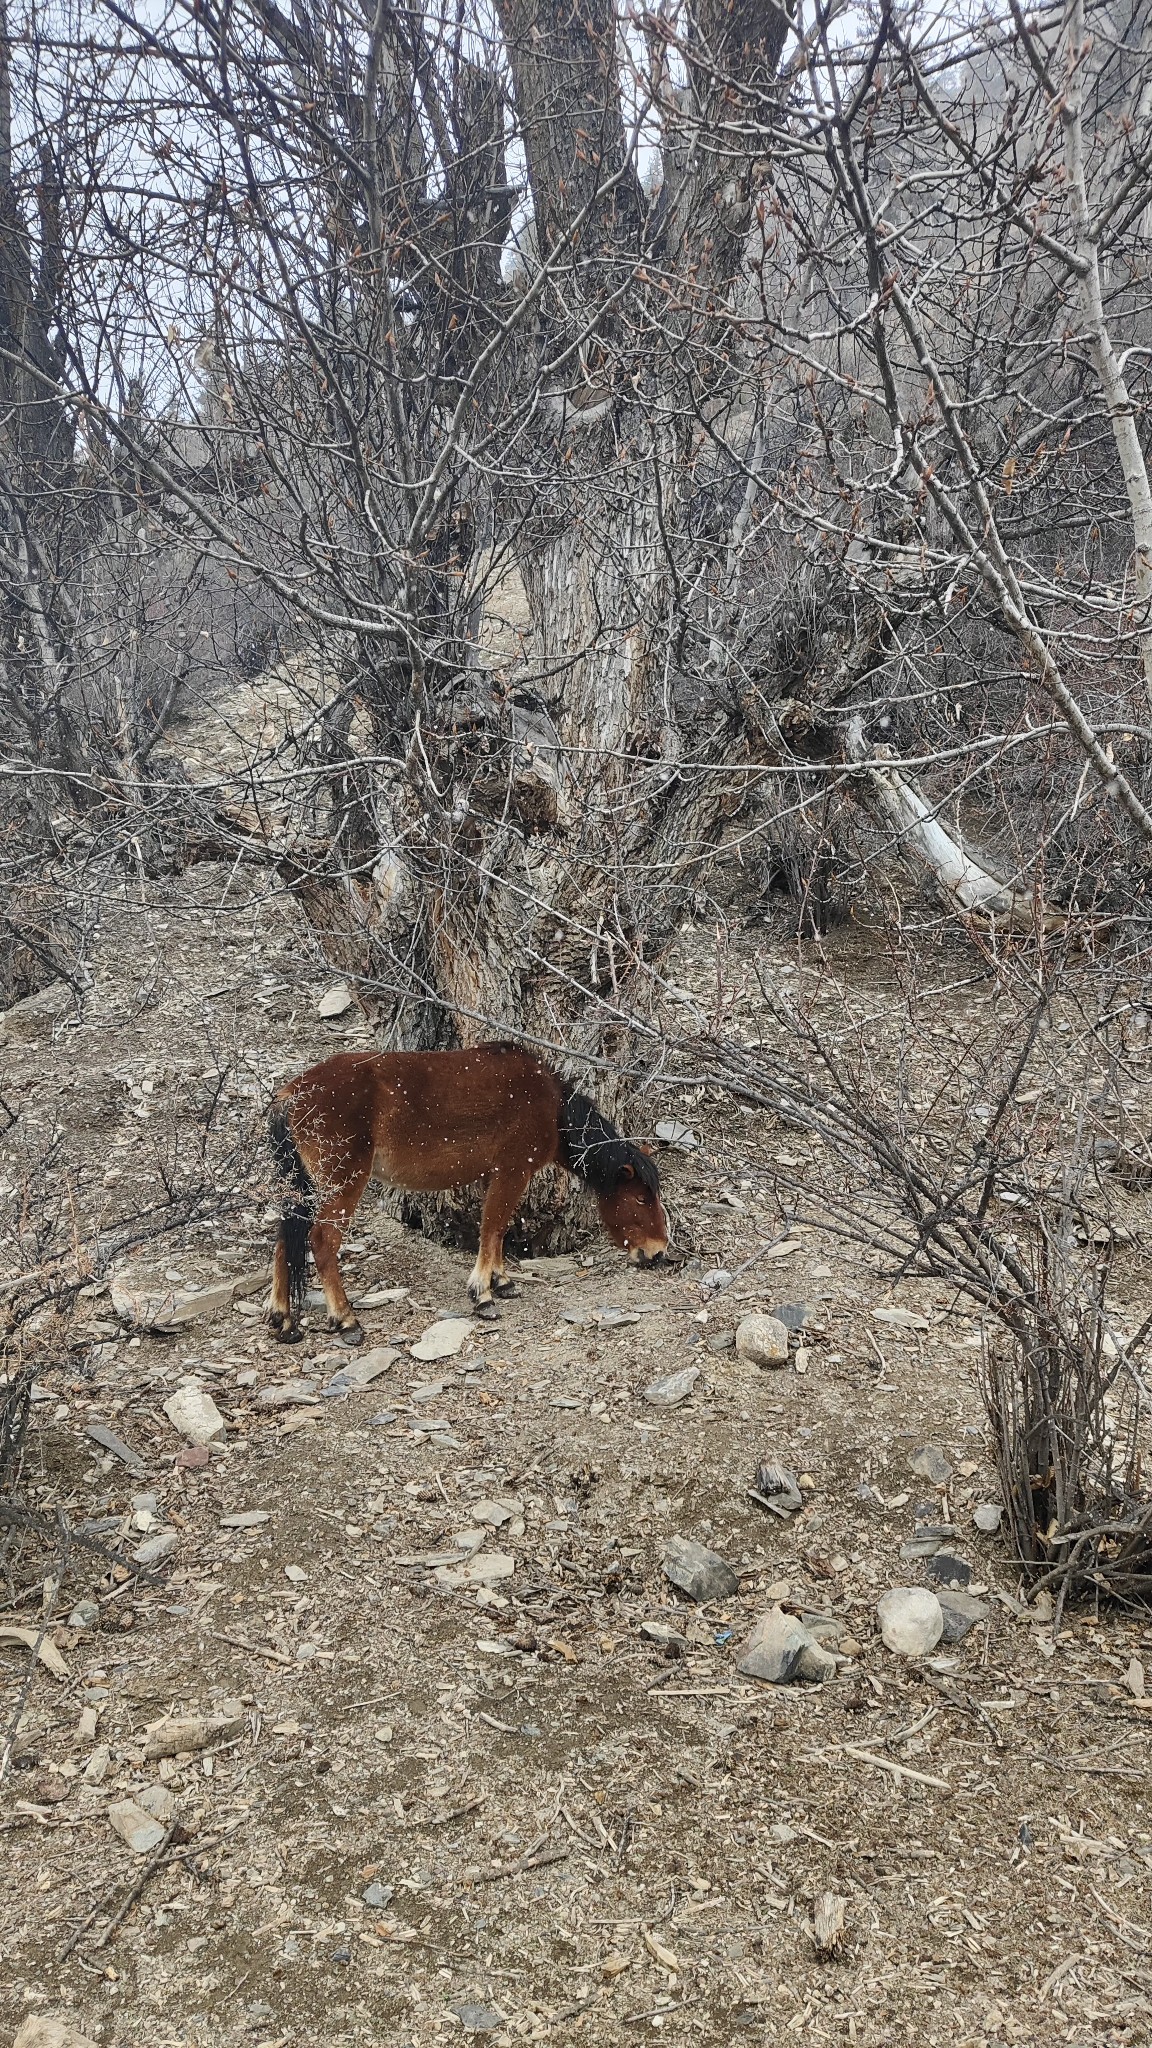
{"type": "Point", "coordinates": [255, 1649]}
{"type": "Point", "coordinates": [884, 1763]}
{"type": "Point", "coordinates": [535, 1860]}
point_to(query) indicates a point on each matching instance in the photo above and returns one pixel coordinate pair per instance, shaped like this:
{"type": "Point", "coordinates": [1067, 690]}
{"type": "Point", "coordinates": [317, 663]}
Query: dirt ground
{"type": "Point", "coordinates": [505, 1811]}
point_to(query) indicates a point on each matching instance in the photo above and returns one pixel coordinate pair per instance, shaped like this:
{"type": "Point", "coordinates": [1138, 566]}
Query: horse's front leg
{"type": "Point", "coordinates": [506, 1191]}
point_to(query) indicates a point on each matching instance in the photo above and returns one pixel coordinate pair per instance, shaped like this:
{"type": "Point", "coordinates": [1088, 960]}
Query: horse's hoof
{"type": "Point", "coordinates": [487, 1312]}
{"type": "Point", "coordinates": [504, 1287]}
{"type": "Point", "coordinates": [351, 1334]}
{"type": "Point", "coordinates": [288, 1333]}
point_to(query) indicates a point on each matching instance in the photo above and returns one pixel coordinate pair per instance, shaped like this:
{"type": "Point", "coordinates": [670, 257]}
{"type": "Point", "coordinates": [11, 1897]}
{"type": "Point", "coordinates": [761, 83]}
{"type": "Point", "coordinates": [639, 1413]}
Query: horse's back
{"type": "Point", "coordinates": [434, 1119]}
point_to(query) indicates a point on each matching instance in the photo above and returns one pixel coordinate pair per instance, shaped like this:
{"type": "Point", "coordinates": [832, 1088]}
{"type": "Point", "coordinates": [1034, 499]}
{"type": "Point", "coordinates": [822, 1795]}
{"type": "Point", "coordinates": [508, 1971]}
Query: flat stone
{"type": "Point", "coordinates": [159, 1801]}
{"type": "Point", "coordinates": [931, 1463]}
{"type": "Point", "coordinates": [33, 1021]}
{"type": "Point", "coordinates": [762, 1340]}
{"type": "Point", "coordinates": [85, 1614]}
{"type": "Point", "coordinates": [919, 1546]}
{"type": "Point", "coordinates": [673, 1388]}
{"type": "Point", "coordinates": [722, 1340]}
{"type": "Point", "coordinates": [251, 1518]}
{"type": "Point", "coordinates": [186, 1734]}
{"type": "Point", "coordinates": [659, 1632]}
{"type": "Point", "coordinates": [478, 2019]}
{"type": "Point", "coordinates": [901, 1319]}
{"type": "Point", "coordinates": [289, 1394]}
{"type": "Point", "coordinates": [487, 1570]}
{"type": "Point", "coordinates": [780, 1649]}
{"type": "Point", "coordinates": [110, 1442]}
{"type": "Point", "coordinates": [681, 1137]}
{"type": "Point", "coordinates": [377, 1895]}
{"type": "Point", "coordinates": [702, 1574]}
{"type": "Point", "coordinates": [360, 1372]}
{"type": "Point", "coordinates": [335, 1002]}
{"type": "Point", "coordinates": [137, 1300]}
{"type": "Point", "coordinates": [988, 1517]}
{"type": "Point", "coordinates": [495, 1513]}
{"type": "Point", "coordinates": [946, 1570]}
{"type": "Point", "coordinates": [961, 1612]}
{"type": "Point", "coordinates": [41, 2030]}
{"type": "Point", "coordinates": [911, 1620]}
{"type": "Point", "coordinates": [155, 1549]}
{"type": "Point", "coordinates": [779, 1489]}
{"type": "Point", "coordinates": [443, 1339]}
{"type": "Point", "coordinates": [194, 1415]}
{"type": "Point", "coordinates": [140, 1830]}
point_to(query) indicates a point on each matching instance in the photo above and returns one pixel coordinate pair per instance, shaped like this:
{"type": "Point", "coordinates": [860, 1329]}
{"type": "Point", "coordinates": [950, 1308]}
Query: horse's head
{"type": "Point", "coordinates": [632, 1212]}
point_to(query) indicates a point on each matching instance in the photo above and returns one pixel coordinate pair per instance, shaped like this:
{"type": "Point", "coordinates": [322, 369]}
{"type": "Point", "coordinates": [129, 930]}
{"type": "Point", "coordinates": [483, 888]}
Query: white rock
{"type": "Point", "coordinates": [911, 1620]}
{"type": "Point", "coordinates": [443, 1339]}
{"type": "Point", "coordinates": [762, 1340]}
{"type": "Point", "coordinates": [194, 1415]}
{"type": "Point", "coordinates": [40, 2030]}
{"type": "Point", "coordinates": [140, 1830]}
{"type": "Point", "coordinates": [156, 1549]}
{"type": "Point", "coordinates": [496, 1512]}
{"type": "Point", "coordinates": [479, 1571]}
{"type": "Point", "coordinates": [380, 1297]}
{"type": "Point", "coordinates": [680, 1136]}
{"type": "Point", "coordinates": [184, 1734]}
{"type": "Point", "coordinates": [988, 1517]}
{"type": "Point", "coordinates": [336, 1001]}
{"type": "Point", "coordinates": [673, 1388]}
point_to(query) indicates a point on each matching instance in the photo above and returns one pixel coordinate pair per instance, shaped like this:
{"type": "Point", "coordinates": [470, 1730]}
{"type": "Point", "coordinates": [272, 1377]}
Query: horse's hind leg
{"type": "Point", "coordinates": [506, 1191]}
{"type": "Point", "coordinates": [325, 1238]}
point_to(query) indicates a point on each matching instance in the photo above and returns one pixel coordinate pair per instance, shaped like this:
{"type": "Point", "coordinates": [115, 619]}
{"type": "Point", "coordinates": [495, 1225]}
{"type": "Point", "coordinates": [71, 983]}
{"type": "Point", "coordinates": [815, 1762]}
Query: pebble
{"type": "Point", "coordinates": [780, 1648]}
{"type": "Point", "coordinates": [110, 1442]}
{"type": "Point", "coordinates": [946, 1570]}
{"type": "Point", "coordinates": [718, 1278]}
{"type": "Point", "coordinates": [702, 1574]}
{"type": "Point", "coordinates": [919, 1546]}
{"type": "Point", "coordinates": [911, 1620]}
{"type": "Point", "coordinates": [444, 1338]}
{"type": "Point", "coordinates": [930, 1463]}
{"type": "Point", "coordinates": [155, 1549]}
{"type": "Point", "coordinates": [194, 1414]}
{"type": "Point", "coordinates": [722, 1340]}
{"type": "Point", "coordinates": [961, 1612]}
{"type": "Point", "coordinates": [85, 1614]}
{"type": "Point", "coordinates": [377, 1894]}
{"type": "Point", "coordinates": [762, 1340]}
{"type": "Point", "coordinates": [988, 1517]}
{"type": "Point", "coordinates": [140, 1830]}
{"type": "Point", "coordinates": [659, 1632]}
{"type": "Point", "coordinates": [793, 1314]}
{"type": "Point", "coordinates": [673, 1388]}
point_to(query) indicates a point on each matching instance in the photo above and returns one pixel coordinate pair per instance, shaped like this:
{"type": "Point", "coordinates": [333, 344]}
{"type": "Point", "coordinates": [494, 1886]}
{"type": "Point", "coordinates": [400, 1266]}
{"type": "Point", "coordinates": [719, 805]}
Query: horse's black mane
{"type": "Point", "coordinates": [595, 1151]}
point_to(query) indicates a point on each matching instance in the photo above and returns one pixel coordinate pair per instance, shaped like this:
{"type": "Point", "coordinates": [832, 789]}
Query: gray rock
{"type": "Point", "coordinates": [762, 1340]}
{"type": "Point", "coordinates": [780, 1648]}
{"type": "Point", "coordinates": [85, 1614]}
{"type": "Point", "coordinates": [252, 1518]}
{"type": "Point", "coordinates": [722, 1340]}
{"type": "Point", "coordinates": [919, 1546]}
{"type": "Point", "coordinates": [700, 1573]}
{"type": "Point", "coordinates": [478, 2019]}
{"type": "Point", "coordinates": [140, 1830]}
{"type": "Point", "coordinates": [383, 1420]}
{"type": "Point", "coordinates": [717, 1279]}
{"type": "Point", "coordinates": [377, 1894]}
{"type": "Point", "coordinates": [194, 1415]}
{"type": "Point", "coordinates": [988, 1517]}
{"type": "Point", "coordinates": [41, 2030]}
{"type": "Point", "coordinates": [825, 1629]}
{"type": "Point", "coordinates": [961, 1612]}
{"type": "Point", "coordinates": [673, 1388]}
{"type": "Point", "coordinates": [911, 1620]}
{"type": "Point", "coordinates": [930, 1463]}
{"type": "Point", "coordinates": [110, 1442]}
{"type": "Point", "coordinates": [793, 1314]}
{"type": "Point", "coordinates": [946, 1570]}
{"type": "Point", "coordinates": [155, 1549]}
{"type": "Point", "coordinates": [779, 1489]}
{"type": "Point", "coordinates": [360, 1372]}
{"type": "Point", "coordinates": [34, 1021]}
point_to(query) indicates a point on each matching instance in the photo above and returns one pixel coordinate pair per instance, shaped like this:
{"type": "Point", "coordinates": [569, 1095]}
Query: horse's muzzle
{"type": "Point", "coordinates": [647, 1259]}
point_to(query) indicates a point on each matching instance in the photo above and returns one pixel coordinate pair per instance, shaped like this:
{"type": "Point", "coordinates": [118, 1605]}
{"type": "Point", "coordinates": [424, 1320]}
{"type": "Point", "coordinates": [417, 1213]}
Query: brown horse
{"type": "Point", "coordinates": [439, 1120]}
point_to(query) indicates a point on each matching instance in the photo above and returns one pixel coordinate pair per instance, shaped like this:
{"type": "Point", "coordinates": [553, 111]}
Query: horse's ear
{"type": "Point", "coordinates": [627, 1173]}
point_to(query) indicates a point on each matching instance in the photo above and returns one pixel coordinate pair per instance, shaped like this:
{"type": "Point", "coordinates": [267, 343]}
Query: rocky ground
{"type": "Point", "coordinates": [455, 1756]}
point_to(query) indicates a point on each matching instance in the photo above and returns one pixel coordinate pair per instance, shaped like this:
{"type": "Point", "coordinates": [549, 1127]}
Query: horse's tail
{"type": "Point", "coordinates": [299, 1202]}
